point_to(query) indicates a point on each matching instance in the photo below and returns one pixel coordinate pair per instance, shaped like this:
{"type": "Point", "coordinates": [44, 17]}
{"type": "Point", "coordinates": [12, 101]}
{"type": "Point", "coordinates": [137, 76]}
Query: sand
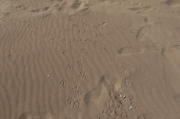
{"type": "Point", "coordinates": [89, 59]}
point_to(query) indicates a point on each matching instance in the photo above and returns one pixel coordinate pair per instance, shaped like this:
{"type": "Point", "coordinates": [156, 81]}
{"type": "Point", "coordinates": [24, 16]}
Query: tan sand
{"type": "Point", "coordinates": [89, 59]}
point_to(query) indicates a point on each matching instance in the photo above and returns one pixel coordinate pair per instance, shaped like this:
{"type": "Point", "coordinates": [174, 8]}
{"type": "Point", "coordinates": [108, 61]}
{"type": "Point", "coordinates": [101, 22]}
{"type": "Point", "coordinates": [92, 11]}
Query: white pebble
{"type": "Point", "coordinates": [130, 107]}
{"type": "Point", "coordinates": [120, 95]}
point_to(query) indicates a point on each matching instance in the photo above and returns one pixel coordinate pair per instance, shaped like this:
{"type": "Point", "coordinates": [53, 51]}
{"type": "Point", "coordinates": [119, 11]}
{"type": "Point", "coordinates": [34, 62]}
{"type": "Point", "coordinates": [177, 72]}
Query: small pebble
{"type": "Point", "coordinates": [120, 95]}
{"type": "Point", "coordinates": [130, 107]}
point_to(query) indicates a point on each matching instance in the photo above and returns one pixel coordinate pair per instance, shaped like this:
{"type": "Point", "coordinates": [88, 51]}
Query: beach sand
{"type": "Point", "coordinates": [89, 59]}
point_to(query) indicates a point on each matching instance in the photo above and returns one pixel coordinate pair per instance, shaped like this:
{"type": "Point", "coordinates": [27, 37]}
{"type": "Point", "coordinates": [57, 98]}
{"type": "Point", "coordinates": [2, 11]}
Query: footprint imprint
{"type": "Point", "coordinates": [142, 33]}
{"type": "Point", "coordinates": [97, 92]}
{"type": "Point", "coordinates": [73, 103]}
{"type": "Point", "coordinates": [112, 59]}
{"type": "Point", "coordinates": [106, 50]}
{"type": "Point", "coordinates": [57, 5]}
{"type": "Point", "coordinates": [140, 9]}
{"type": "Point", "coordinates": [35, 115]}
{"type": "Point", "coordinates": [110, 32]}
{"type": "Point", "coordinates": [130, 51]}
{"type": "Point", "coordinates": [122, 4]}
{"type": "Point", "coordinates": [76, 4]}
{"type": "Point", "coordinates": [95, 42]}
{"type": "Point", "coordinates": [76, 89]}
{"type": "Point", "coordinates": [172, 3]}
{"type": "Point", "coordinates": [63, 40]}
{"type": "Point", "coordinates": [5, 14]}
{"type": "Point", "coordinates": [45, 9]}
{"type": "Point", "coordinates": [51, 40]}
{"type": "Point", "coordinates": [79, 63]}
{"type": "Point", "coordinates": [102, 24]}
{"type": "Point", "coordinates": [63, 82]}
{"type": "Point", "coordinates": [84, 51]}
{"type": "Point", "coordinates": [126, 71]}
{"type": "Point", "coordinates": [35, 10]}
{"type": "Point", "coordinates": [82, 74]}
{"type": "Point", "coordinates": [19, 6]}
{"type": "Point", "coordinates": [68, 67]}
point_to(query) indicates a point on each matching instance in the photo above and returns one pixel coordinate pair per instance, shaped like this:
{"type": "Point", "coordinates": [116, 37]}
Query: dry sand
{"type": "Point", "coordinates": [89, 59]}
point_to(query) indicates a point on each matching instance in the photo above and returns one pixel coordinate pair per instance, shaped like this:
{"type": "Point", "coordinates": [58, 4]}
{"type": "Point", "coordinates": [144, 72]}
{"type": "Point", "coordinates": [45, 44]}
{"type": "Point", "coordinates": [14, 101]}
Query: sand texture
{"type": "Point", "coordinates": [89, 59]}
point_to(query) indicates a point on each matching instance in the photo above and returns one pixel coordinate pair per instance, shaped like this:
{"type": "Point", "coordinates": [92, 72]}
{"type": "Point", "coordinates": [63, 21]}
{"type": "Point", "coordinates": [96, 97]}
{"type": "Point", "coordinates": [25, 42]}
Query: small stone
{"type": "Point", "coordinates": [120, 95]}
{"type": "Point", "coordinates": [130, 107]}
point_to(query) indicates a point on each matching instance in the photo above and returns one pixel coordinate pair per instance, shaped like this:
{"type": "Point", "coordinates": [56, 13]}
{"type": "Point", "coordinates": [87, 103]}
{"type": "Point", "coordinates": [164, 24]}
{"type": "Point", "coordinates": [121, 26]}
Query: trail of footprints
{"type": "Point", "coordinates": [61, 6]}
{"type": "Point", "coordinates": [12, 9]}
{"type": "Point", "coordinates": [40, 10]}
{"type": "Point", "coordinates": [123, 51]}
{"type": "Point", "coordinates": [118, 104]}
{"type": "Point", "coordinates": [15, 8]}
{"type": "Point", "coordinates": [57, 5]}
